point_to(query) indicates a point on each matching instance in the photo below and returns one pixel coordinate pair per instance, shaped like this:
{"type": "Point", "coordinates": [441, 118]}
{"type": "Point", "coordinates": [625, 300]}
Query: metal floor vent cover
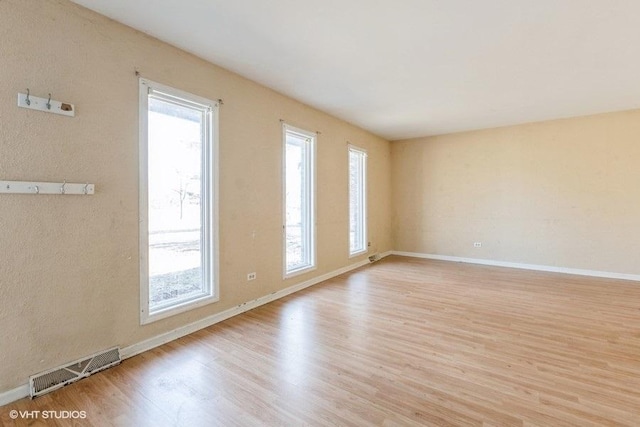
{"type": "Point", "coordinates": [59, 377]}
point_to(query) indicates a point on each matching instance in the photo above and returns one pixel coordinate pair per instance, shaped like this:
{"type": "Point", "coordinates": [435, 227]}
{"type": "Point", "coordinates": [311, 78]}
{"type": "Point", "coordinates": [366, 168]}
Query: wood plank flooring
{"type": "Point", "coordinates": [402, 342]}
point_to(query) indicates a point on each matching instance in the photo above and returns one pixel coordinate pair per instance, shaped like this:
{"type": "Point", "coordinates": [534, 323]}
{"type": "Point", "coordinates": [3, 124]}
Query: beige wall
{"type": "Point", "coordinates": [69, 265]}
{"type": "Point", "coordinates": [562, 193]}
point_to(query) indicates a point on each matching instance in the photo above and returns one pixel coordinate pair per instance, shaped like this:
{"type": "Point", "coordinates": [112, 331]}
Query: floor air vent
{"type": "Point", "coordinates": [374, 258]}
{"type": "Point", "coordinates": [59, 377]}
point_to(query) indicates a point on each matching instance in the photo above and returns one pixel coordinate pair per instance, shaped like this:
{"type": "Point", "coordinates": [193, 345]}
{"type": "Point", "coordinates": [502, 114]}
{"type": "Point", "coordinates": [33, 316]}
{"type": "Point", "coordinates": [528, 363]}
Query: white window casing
{"type": "Point", "coordinates": [178, 198]}
{"type": "Point", "coordinates": [357, 201]}
{"type": "Point", "coordinates": [299, 201]}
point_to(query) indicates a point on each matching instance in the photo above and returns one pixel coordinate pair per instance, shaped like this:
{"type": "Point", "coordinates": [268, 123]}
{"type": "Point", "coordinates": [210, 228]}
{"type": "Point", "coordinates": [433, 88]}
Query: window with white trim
{"type": "Point", "coordinates": [357, 201]}
{"type": "Point", "coordinates": [178, 207]}
{"type": "Point", "coordinates": [299, 201]}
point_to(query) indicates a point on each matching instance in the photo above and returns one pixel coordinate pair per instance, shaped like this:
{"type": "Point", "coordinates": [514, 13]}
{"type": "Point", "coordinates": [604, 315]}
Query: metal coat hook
{"type": "Point", "coordinates": [37, 189]}
{"type": "Point", "coordinates": [85, 188]}
{"type": "Point", "coordinates": [48, 104]}
{"type": "Point", "coordinates": [62, 190]}
{"type": "Point", "coordinates": [28, 101]}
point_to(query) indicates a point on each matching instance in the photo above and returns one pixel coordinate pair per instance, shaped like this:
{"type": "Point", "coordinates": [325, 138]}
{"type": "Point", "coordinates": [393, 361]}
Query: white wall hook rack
{"type": "Point", "coordinates": [48, 105]}
{"type": "Point", "coordinates": [24, 187]}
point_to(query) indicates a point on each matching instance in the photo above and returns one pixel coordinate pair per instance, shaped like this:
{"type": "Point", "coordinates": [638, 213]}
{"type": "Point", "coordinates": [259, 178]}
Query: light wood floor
{"type": "Point", "coordinates": [403, 342]}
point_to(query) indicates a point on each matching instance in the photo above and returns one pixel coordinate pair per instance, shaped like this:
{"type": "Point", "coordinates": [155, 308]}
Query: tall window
{"type": "Point", "coordinates": [178, 209]}
{"type": "Point", "coordinates": [299, 200]}
{"type": "Point", "coordinates": [357, 201]}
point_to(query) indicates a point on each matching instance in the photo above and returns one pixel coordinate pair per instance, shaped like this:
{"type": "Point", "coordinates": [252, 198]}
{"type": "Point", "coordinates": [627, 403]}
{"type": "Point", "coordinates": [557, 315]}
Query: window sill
{"type": "Point", "coordinates": [299, 272]}
{"type": "Point", "coordinates": [357, 254]}
{"type": "Point", "coordinates": [177, 309]}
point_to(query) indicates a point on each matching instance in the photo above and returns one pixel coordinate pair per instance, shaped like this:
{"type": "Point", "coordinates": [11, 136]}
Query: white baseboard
{"type": "Point", "coordinates": [132, 350]}
{"type": "Point", "coordinates": [576, 271]}
{"type": "Point", "coordinates": [15, 394]}
{"type": "Point", "coordinates": [234, 311]}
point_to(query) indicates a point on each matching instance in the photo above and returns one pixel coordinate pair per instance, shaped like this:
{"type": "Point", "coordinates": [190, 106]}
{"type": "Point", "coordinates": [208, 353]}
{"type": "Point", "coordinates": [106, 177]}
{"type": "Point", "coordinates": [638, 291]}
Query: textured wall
{"type": "Point", "coordinates": [560, 193]}
{"type": "Point", "coordinates": [69, 265]}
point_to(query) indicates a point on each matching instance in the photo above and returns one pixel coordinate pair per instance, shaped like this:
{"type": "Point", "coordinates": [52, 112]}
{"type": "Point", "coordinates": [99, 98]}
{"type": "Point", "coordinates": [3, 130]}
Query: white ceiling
{"type": "Point", "coordinates": [407, 68]}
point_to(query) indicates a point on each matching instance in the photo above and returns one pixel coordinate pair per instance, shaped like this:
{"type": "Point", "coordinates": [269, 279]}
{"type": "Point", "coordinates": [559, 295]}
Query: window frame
{"type": "Point", "coordinates": [310, 161]}
{"type": "Point", "coordinates": [363, 199]}
{"type": "Point", "coordinates": [209, 199]}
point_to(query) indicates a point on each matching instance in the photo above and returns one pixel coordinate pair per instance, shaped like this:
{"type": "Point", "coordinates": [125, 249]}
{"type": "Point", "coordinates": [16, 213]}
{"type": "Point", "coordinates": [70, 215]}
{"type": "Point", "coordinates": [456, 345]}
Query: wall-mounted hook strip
{"type": "Point", "coordinates": [48, 105]}
{"type": "Point", "coordinates": [63, 188]}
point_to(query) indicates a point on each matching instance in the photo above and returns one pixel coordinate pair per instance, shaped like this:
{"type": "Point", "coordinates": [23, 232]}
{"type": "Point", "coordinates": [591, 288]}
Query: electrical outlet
{"type": "Point", "coordinates": [477, 244]}
{"type": "Point", "coordinates": [251, 276]}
